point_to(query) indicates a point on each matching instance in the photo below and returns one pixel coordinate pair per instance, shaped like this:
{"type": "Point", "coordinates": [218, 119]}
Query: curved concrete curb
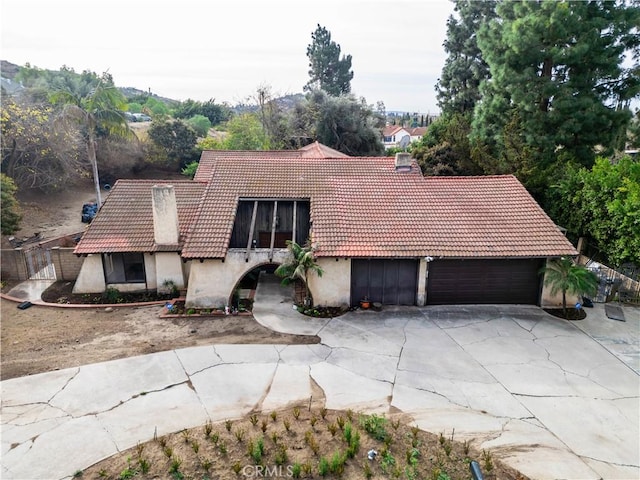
{"type": "Point", "coordinates": [41, 303]}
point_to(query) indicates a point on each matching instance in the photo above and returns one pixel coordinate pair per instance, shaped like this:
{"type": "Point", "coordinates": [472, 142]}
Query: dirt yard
{"type": "Point", "coordinates": [41, 339]}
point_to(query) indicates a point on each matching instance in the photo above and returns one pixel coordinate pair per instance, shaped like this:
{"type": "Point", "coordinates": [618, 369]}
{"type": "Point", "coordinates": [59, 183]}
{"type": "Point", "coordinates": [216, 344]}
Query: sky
{"type": "Point", "coordinates": [226, 49]}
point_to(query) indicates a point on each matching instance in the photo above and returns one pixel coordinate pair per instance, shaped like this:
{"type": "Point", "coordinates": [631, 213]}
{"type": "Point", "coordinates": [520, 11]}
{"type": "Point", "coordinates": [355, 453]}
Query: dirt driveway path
{"type": "Point", "coordinates": [41, 339]}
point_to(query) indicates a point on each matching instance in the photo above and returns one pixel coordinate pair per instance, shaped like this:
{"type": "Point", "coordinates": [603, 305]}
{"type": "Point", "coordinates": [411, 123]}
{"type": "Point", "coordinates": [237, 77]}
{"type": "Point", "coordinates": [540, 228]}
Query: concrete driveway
{"type": "Point", "coordinates": [552, 398]}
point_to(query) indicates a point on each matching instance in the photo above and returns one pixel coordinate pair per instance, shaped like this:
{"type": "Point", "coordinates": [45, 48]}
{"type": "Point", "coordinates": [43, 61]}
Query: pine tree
{"type": "Point", "coordinates": [458, 87]}
{"type": "Point", "coordinates": [558, 66]}
{"type": "Point", "coordinates": [328, 71]}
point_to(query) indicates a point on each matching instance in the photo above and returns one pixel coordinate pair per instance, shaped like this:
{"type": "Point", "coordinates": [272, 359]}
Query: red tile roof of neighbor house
{"type": "Point", "coordinates": [389, 130]}
{"type": "Point", "coordinates": [360, 207]}
{"type": "Point", "coordinates": [417, 131]}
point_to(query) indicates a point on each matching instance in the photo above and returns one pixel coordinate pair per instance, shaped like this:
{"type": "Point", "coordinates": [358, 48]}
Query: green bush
{"type": "Point", "coordinates": [374, 425]}
{"type": "Point", "coordinates": [112, 295]}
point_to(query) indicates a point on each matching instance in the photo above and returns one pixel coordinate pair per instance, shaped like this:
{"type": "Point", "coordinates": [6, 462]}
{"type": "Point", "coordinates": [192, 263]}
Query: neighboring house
{"type": "Point", "coordinates": [401, 137]}
{"type": "Point", "coordinates": [380, 229]}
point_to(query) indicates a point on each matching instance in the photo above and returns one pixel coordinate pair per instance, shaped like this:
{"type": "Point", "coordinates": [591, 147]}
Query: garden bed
{"type": "Point", "coordinates": [571, 314]}
{"type": "Point", "coordinates": [176, 308]}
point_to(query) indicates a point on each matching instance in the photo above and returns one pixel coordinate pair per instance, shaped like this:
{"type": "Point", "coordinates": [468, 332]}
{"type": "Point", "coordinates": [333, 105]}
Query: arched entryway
{"type": "Point", "coordinates": [243, 294]}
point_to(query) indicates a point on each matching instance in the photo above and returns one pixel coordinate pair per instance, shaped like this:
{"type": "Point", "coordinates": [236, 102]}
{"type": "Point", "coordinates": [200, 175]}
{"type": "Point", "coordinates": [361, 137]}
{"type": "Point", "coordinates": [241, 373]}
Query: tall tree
{"type": "Point", "coordinates": [328, 71]}
{"type": "Point", "coordinates": [458, 87]}
{"type": "Point", "coordinates": [344, 123]}
{"type": "Point", "coordinates": [445, 148]}
{"type": "Point", "coordinates": [95, 108]}
{"type": "Point", "coordinates": [273, 119]}
{"type": "Point", "coordinates": [34, 153]}
{"type": "Point", "coordinates": [559, 67]}
{"type": "Point", "coordinates": [176, 140]}
{"type": "Point", "coordinates": [603, 205]}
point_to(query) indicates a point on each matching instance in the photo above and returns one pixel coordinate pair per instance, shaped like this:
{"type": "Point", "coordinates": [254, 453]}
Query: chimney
{"type": "Point", "coordinates": [165, 215]}
{"type": "Point", "coordinates": [403, 162]}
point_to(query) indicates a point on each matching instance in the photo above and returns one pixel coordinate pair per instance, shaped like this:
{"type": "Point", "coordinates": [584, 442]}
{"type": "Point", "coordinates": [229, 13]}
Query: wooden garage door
{"type": "Point", "coordinates": [483, 281]}
{"type": "Point", "coordinates": [390, 282]}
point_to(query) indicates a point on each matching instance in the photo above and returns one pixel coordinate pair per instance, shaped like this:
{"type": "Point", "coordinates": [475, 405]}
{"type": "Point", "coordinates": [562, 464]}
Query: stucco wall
{"type": "Point", "coordinates": [91, 276]}
{"type": "Point", "coordinates": [168, 267]}
{"type": "Point", "coordinates": [421, 296]}
{"type": "Point", "coordinates": [212, 282]}
{"type": "Point", "coordinates": [150, 271]}
{"type": "Point", "coordinates": [547, 300]}
{"type": "Point", "coordinates": [333, 289]}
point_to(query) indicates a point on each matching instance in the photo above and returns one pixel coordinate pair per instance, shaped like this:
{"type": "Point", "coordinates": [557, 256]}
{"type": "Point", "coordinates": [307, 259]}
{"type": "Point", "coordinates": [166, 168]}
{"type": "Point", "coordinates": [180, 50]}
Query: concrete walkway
{"type": "Point", "coordinates": [552, 398]}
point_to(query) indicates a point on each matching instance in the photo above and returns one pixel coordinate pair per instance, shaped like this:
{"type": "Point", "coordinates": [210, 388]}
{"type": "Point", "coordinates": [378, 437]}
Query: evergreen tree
{"type": "Point", "coordinates": [328, 71]}
{"type": "Point", "coordinates": [558, 67]}
{"type": "Point", "coordinates": [176, 140]}
{"type": "Point", "coordinates": [458, 87]}
{"type": "Point", "coordinates": [344, 123]}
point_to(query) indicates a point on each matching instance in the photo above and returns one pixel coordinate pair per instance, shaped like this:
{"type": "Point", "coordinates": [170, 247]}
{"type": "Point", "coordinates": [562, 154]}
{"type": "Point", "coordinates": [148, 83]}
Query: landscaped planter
{"type": "Point", "coordinates": [176, 309]}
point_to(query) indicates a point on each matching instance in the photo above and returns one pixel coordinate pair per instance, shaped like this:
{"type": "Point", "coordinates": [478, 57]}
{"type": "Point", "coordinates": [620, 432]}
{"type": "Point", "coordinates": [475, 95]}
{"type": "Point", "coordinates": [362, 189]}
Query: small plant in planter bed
{"type": "Point", "coordinates": [321, 312]}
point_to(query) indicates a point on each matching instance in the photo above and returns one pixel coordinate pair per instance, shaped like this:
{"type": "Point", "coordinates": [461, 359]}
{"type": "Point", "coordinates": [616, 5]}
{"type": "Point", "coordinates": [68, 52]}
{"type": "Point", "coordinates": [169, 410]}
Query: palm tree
{"type": "Point", "coordinates": [566, 276]}
{"type": "Point", "coordinates": [97, 108]}
{"type": "Point", "coordinates": [298, 266]}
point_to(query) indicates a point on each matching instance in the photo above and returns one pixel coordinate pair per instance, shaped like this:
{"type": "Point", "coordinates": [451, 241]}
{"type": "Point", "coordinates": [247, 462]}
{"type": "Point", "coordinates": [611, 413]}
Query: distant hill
{"type": "Point", "coordinates": [8, 72]}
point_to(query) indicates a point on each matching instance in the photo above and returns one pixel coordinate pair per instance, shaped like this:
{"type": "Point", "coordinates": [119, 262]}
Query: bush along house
{"type": "Point", "coordinates": [378, 227]}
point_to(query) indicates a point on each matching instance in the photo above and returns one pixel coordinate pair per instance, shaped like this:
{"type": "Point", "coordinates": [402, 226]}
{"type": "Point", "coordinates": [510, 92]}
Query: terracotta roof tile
{"type": "Point", "coordinates": [360, 207]}
{"type": "Point", "coordinates": [364, 208]}
{"type": "Point", "coordinates": [125, 221]}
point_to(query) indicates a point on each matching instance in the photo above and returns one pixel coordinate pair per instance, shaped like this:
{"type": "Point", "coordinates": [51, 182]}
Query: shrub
{"type": "Point", "coordinates": [374, 425]}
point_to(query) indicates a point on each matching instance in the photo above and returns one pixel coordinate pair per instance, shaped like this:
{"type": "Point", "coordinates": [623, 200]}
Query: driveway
{"type": "Point", "coordinates": [552, 398]}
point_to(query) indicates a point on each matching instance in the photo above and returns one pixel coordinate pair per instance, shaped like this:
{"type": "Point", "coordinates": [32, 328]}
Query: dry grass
{"type": "Point", "coordinates": [302, 443]}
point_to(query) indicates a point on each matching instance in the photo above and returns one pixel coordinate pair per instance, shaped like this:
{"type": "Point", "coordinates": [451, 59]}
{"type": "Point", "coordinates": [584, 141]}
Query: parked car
{"type": "Point", "coordinates": [137, 117]}
{"type": "Point", "coordinates": [141, 117]}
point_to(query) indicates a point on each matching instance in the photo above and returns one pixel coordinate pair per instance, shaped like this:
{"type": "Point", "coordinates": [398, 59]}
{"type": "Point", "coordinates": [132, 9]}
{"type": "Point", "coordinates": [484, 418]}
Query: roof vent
{"type": "Point", "coordinates": [403, 162]}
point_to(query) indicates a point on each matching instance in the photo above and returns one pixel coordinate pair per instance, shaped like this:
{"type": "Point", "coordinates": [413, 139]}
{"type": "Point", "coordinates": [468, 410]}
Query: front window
{"type": "Point", "coordinates": [124, 267]}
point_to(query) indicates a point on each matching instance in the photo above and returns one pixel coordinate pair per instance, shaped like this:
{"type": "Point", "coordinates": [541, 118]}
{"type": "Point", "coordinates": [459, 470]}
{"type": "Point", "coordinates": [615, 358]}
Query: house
{"type": "Point", "coordinates": [401, 137]}
{"type": "Point", "coordinates": [380, 229]}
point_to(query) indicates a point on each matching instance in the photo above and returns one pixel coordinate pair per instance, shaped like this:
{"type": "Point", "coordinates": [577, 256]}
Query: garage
{"type": "Point", "coordinates": [387, 281]}
{"type": "Point", "coordinates": [501, 281]}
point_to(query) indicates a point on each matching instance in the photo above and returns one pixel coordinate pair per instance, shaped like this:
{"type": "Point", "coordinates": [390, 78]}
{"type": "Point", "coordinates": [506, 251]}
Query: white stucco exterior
{"type": "Point", "coordinates": [212, 282]}
{"type": "Point", "coordinates": [91, 276]}
{"type": "Point", "coordinates": [334, 287]}
{"type": "Point", "coordinates": [421, 296]}
{"type": "Point", "coordinates": [168, 268]}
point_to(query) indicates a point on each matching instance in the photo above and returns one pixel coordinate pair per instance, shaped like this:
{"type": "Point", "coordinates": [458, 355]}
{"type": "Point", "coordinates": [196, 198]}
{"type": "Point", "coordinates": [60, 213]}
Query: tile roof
{"type": "Point", "coordinates": [360, 207]}
{"type": "Point", "coordinates": [389, 130]}
{"type": "Point", "coordinates": [318, 150]}
{"type": "Point", "coordinates": [313, 150]}
{"type": "Point", "coordinates": [125, 221]}
{"type": "Point", "coordinates": [417, 131]}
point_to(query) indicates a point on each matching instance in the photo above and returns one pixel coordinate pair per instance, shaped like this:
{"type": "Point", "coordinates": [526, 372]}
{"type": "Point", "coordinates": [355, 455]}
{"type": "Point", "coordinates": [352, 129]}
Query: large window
{"type": "Point", "coordinates": [124, 267]}
{"type": "Point", "coordinates": [263, 223]}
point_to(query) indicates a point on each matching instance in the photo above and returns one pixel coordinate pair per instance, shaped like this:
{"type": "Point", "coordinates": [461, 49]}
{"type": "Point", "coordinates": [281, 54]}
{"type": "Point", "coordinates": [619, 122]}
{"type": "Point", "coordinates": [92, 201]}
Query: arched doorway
{"type": "Point", "coordinates": [243, 293]}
